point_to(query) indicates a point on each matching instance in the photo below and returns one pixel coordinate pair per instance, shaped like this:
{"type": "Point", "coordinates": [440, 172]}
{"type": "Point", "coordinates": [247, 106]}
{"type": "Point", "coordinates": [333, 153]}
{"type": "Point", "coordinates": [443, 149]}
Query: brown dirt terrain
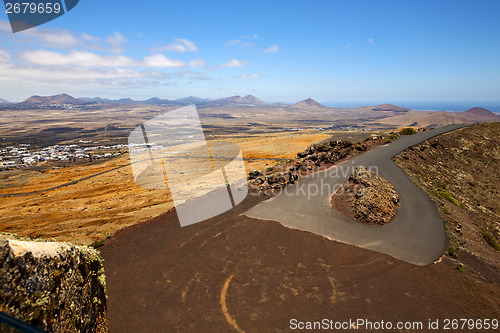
{"type": "Point", "coordinates": [459, 171]}
{"type": "Point", "coordinates": [236, 274]}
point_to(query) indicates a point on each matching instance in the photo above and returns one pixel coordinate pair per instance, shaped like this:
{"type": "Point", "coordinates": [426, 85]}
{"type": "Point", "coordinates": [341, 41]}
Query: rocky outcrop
{"type": "Point", "coordinates": [367, 197]}
{"type": "Point", "coordinates": [51, 285]}
{"type": "Point", "coordinates": [314, 157]}
{"type": "Point", "coordinates": [254, 174]}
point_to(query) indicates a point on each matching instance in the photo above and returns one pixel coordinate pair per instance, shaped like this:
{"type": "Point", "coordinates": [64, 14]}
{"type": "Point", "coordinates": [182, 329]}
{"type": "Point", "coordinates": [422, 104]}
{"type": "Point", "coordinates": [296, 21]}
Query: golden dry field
{"type": "Point", "coordinates": [100, 206]}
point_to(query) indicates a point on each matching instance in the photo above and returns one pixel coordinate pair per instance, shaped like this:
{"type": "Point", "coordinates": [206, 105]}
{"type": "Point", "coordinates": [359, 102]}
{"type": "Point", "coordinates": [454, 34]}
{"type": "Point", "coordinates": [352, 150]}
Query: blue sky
{"type": "Point", "coordinates": [332, 51]}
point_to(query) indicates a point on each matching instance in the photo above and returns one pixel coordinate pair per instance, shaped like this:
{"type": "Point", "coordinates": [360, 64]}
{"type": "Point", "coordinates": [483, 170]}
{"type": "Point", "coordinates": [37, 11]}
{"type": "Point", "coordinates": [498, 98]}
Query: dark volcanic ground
{"type": "Point", "coordinates": [233, 273]}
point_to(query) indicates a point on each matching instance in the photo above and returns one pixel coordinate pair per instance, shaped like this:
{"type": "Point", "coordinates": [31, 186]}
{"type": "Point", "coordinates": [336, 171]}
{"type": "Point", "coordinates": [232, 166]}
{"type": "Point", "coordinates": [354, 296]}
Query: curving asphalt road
{"type": "Point", "coordinates": [417, 234]}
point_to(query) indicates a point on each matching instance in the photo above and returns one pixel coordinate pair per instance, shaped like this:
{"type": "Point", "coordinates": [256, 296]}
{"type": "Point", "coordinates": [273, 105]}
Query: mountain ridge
{"type": "Point", "coordinates": [475, 114]}
{"type": "Point", "coordinates": [55, 99]}
{"type": "Point", "coordinates": [237, 100]}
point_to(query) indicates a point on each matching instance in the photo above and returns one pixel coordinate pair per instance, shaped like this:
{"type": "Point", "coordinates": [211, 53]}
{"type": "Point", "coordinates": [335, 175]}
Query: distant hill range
{"type": "Point", "coordinates": [248, 100]}
{"type": "Point", "coordinates": [192, 100]}
{"type": "Point", "coordinates": [153, 100]}
{"type": "Point", "coordinates": [441, 118]}
{"type": "Point", "coordinates": [65, 99]}
{"type": "Point", "coordinates": [308, 103]}
{"type": "Point", "coordinates": [384, 108]}
{"type": "Point", "coordinates": [386, 114]}
{"type": "Point", "coordinates": [51, 100]}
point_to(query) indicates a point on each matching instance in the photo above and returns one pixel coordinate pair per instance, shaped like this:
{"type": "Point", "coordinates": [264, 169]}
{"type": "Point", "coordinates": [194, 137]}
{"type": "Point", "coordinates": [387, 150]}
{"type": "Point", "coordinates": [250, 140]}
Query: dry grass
{"type": "Point", "coordinates": [101, 206]}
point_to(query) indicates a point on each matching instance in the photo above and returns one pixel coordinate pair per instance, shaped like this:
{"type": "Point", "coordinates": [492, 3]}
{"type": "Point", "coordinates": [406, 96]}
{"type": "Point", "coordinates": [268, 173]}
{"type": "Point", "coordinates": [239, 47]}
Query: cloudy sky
{"type": "Point", "coordinates": [332, 51]}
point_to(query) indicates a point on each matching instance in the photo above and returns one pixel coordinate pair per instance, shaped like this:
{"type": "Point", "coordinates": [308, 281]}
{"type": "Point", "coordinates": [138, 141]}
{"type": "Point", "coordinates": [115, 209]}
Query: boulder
{"type": "Point", "coordinates": [324, 147]}
{"type": "Point", "coordinates": [277, 178]}
{"type": "Point", "coordinates": [254, 174]}
{"type": "Point", "coordinates": [360, 146]}
{"type": "Point", "coordinates": [55, 286]}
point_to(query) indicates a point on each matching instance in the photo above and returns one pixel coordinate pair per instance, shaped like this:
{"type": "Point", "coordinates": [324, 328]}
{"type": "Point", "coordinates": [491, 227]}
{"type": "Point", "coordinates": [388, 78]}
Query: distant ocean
{"type": "Point", "coordinates": [430, 106]}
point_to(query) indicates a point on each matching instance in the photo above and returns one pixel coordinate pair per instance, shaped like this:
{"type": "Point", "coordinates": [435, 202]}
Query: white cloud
{"type": "Point", "coordinates": [254, 36]}
{"type": "Point", "coordinates": [180, 45]}
{"type": "Point", "coordinates": [89, 38]}
{"type": "Point", "coordinates": [247, 44]}
{"type": "Point", "coordinates": [17, 77]}
{"type": "Point", "coordinates": [90, 59]}
{"type": "Point", "coordinates": [116, 42]}
{"type": "Point", "coordinates": [348, 45]}
{"type": "Point", "coordinates": [48, 37]}
{"type": "Point", "coordinates": [272, 49]}
{"type": "Point", "coordinates": [75, 58]}
{"type": "Point", "coordinates": [239, 41]}
{"type": "Point", "coordinates": [160, 61]}
{"type": "Point", "coordinates": [233, 42]}
{"type": "Point", "coordinates": [5, 26]}
{"type": "Point", "coordinates": [249, 76]}
{"type": "Point", "coordinates": [196, 63]}
{"type": "Point", "coordinates": [191, 75]}
{"type": "Point", "coordinates": [4, 56]}
{"type": "Point", "coordinates": [233, 63]}
{"type": "Point", "coordinates": [61, 38]}
{"type": "Point", "coordinates": [370, 40]}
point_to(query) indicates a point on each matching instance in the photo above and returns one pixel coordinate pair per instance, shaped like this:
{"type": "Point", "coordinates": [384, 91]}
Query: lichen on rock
{"type": "Point", "coordinates": [56, 286]}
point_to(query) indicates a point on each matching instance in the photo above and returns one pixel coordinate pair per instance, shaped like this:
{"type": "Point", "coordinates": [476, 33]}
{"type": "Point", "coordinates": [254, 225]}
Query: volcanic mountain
{"type": "Point", "coordinates": [95, 100]}
{"type": "Point", "coordinates": [56, 99]}
{"type": "Point", "coordinates": [384, 108]}
{"type": "Point", "coordinates": [153, 101]}
{"type": "Point", "coordinates": [253, 100]}
{"type": "Point", "coordinates": [389, 107]}
{"type": "Point", "coordinates": [238, 100]}
{"type": "Point", "coordinates": [480, 114]}
{"type": "Point", "coordinates": [191, 100]}
{"type": "Point", "coordinates": [423, 119]}
{"type": "Point", "coordinates": [3, 101]}
{"type": "Point", "coordinates": [307, 103]}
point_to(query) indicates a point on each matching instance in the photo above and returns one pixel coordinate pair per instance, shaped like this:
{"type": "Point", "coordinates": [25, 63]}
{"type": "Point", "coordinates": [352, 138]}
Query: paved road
{"type": "Point", "coordinates": [417, 234]}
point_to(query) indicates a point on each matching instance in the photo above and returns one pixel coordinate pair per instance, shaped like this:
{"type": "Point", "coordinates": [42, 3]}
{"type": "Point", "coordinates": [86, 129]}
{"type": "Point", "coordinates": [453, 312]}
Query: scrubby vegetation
{"type": "Point", "coordinates": [490, 239]}
{"type": "Point", "coordinates": [445, 195]}
{"type": "Point", "coordinates": [459, 171]}
{"type": "Point", "coordinates": [407, 131]}
{"type": "Point", "coordinates": [97, 243]}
